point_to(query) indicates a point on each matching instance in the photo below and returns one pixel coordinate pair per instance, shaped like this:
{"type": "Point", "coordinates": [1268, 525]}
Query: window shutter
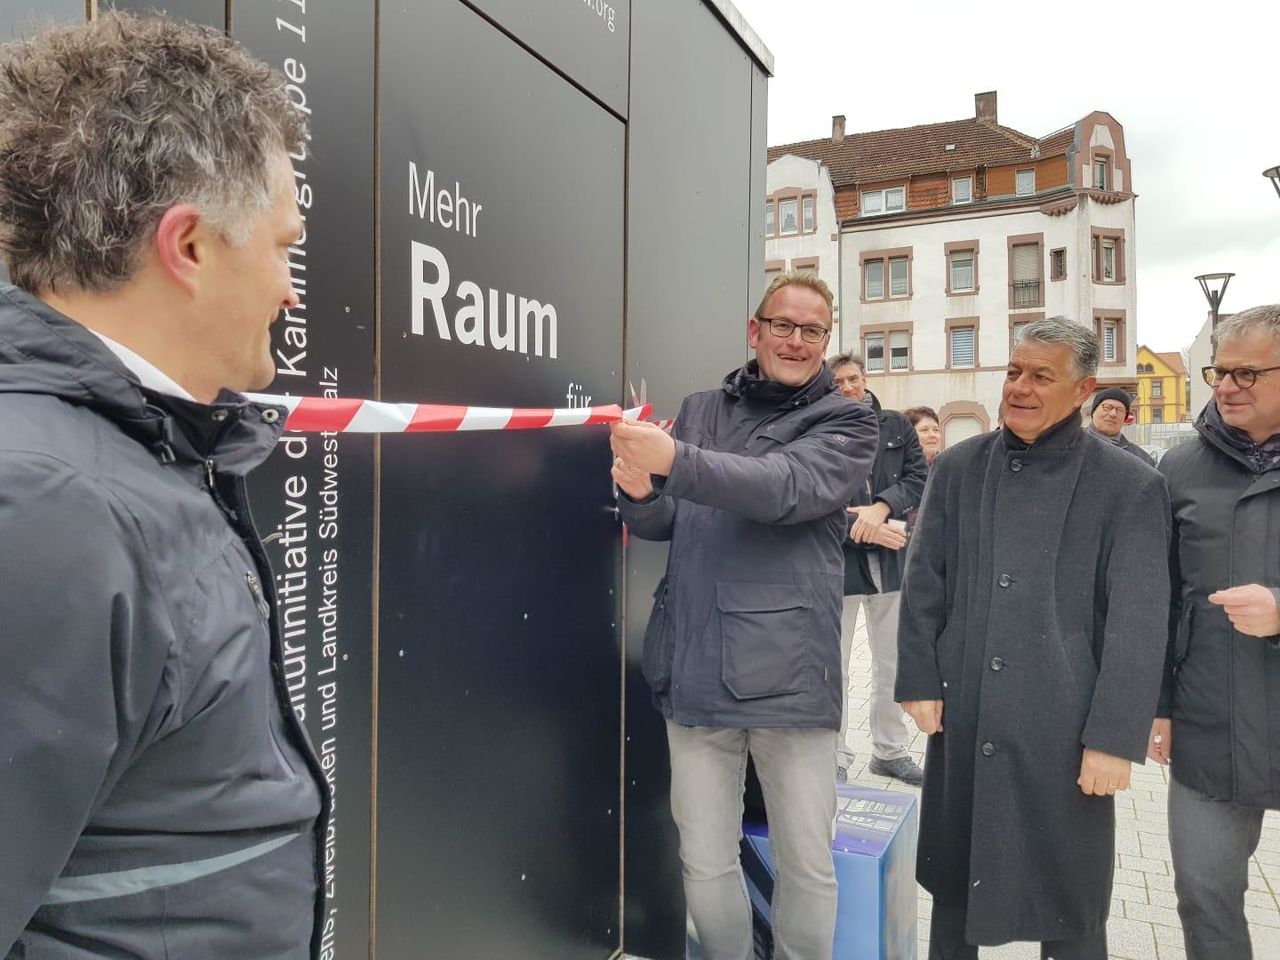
{"type": "Point", "coordinates": [899, 273]}
{"type": "Point", "coordinates": [1026, 261]}
{"type": "Point", "coordinates": [874, 272]}
{"type": "Point", "coordinates": [962, 346]}
{"type": "Point", "coordinates": [899, 348]}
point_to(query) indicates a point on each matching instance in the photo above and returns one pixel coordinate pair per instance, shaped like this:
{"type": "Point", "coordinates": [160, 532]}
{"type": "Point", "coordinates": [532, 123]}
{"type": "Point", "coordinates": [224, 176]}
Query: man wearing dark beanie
{"type": "Point", "coordinates": [1106, 421]}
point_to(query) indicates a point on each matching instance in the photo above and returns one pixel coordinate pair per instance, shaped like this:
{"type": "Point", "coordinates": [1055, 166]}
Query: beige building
{"type": "Point", "coordinates": [944, 238]}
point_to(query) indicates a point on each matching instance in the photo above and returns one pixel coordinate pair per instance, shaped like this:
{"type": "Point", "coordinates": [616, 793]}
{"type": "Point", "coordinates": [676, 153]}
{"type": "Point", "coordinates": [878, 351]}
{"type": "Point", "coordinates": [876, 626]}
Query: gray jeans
{"type": "Point", "coordinates": [708, 773]}
{"type": "Point", "coordinates": [889, 733]}
{"type": "Point", "coordinates": [1212, 841]}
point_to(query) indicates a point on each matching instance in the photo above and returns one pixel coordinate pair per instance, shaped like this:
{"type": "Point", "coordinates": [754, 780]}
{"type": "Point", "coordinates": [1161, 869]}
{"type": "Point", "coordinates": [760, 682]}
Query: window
{"type": "Point", "coordinates": [1109, 342]}
{"type": "Point", "coordinates": [886, 274]}
{"type": "Point", "coordinates": [1108, 260]}
{"type": "Point", "coordinates": [961, 267]}
{"type": "Point", "coordinates": [1157, 389]}
{"type": "Point", "coordinates": [873, 350]}
{"type": "Point", "coordinates": [888, 200]}
{"type": "Point", "coordinates": [1015, 330]}
{"type": "Point", "coordinates": [807, 204]}
{"type": "Point", "coordinates": [873, 280]}
{"type": "Point", "coordinates": [1100, 171]}
{"type": "Point", "coordinates": [1108, 256]}
{"type": "Point", "coordinates": [962, 190]}
{"type": "Point", "coordinates": [770, 218]}
{"type": "Point", "coordinates": [1058, 263]}
{"type": "Point", "coordinates": [1157, 414]}
{"type": "Point", "coordinates": [787, 215]}
{"type": "Point", "coordinates": [1025, 182]}
{"type": "Point", "coordinates": [962, 345]}
{"type": "Point", "coordinates": [899, 277]}
{"type": "Point", "coordinates": [805, 265]}
{"type": "Point", "coordinates": [899, 350]}
{"type": "Point", "coordinates": [1025, 273]}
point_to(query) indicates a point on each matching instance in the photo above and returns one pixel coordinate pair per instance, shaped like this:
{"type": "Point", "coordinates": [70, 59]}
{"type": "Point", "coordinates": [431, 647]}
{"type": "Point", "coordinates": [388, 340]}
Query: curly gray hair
{"type": "Point", "coordinates": [106, 125]}
{"type": "Point", "coordinates": [1263, 319]}
{"type": "Point", "coordinates": [1064, 331]}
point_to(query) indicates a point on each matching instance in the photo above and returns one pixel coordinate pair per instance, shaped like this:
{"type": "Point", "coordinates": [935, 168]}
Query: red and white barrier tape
{"type": "Point", "coordinates": [343, 415]}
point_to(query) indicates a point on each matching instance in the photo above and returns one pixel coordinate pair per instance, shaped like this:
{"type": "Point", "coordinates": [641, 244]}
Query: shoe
{"type": "Point", "coordinates": [842, 774]}
{"type": "Point", "coordinates": [903, 768]}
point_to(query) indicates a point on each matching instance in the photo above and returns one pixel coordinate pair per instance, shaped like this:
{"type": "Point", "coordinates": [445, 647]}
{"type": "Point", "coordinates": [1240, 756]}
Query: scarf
{"type": "Point", "coordinates": [1263, 457]}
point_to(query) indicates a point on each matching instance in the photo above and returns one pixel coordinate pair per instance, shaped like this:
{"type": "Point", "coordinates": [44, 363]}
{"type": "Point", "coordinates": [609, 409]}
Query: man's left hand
{"type": "Point", "coordinates": [1101, 774]}
{"type": "Point", "coordinates": [869, 520]}
{"type": "Point", "coordinates": [1251, 609]}
{"type": "Point", "coordinates": [644, 446]}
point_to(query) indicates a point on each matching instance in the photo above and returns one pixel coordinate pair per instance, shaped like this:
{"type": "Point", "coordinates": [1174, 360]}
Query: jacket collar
{"type": "Point", "coordinates": [1236, 444]}
{"type": "Point", "coordinates": [745, 383]}
{"type": "Point", "coordinates": [1063, 435]}
{"type": "Point", "coordinates": [44, 352]}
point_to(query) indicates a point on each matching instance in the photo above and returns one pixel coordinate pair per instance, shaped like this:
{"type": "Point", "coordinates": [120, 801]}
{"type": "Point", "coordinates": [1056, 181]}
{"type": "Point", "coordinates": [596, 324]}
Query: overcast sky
{"type": "Point", "coordinates": [1198, 97]}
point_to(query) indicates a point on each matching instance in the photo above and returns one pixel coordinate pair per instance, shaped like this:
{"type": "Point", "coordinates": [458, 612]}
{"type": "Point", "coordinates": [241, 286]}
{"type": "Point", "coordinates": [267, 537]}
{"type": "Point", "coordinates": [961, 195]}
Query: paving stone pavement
{"type": "Point", "coordinates": [1144, 919]}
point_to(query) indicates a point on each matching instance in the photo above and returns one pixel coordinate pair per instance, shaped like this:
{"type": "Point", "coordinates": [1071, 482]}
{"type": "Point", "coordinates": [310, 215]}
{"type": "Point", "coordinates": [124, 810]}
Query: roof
{"type": "Point", "coordinates": [910, 151]}
{"type": "Point", "coordinates": [1173, 361]}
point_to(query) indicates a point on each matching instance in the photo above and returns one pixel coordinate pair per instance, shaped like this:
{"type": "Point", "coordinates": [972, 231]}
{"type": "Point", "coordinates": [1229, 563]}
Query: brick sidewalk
{"type": "Point", "coordinates": [1144, 919]}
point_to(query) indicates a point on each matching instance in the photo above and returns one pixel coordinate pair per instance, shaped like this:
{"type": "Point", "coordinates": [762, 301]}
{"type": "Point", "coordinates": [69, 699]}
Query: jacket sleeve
{"type": "Point", "coordinates": [807, 478]}
{"type": "Point", "coordinates": [906, 493]}
{"type": "Point", "coordinates": [654, 518]}
{"type": "Point", "coordinates": [1164, 706]}
{"type": "Point", "coordinates": [923, 606]}
{"type": "Point", "coordinates": [1135, 635]}
{"type": "Point", "coordinates": [77, 683]}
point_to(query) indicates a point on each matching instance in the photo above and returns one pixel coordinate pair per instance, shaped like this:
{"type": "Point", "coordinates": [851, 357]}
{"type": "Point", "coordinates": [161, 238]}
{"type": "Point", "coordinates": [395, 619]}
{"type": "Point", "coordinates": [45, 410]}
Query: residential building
{"type": "Point", "coordinates": [1199, 356]}
{"type": "Point", "coordinates": [1164, 393]}
{"type": "Point", "coordinates": [948, 237]}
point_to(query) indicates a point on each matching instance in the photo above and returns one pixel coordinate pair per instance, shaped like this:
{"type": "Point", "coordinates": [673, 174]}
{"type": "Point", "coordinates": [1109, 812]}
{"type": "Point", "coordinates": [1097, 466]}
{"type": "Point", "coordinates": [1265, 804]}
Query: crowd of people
{"type": "Point", "coordinates": [1043, 604]}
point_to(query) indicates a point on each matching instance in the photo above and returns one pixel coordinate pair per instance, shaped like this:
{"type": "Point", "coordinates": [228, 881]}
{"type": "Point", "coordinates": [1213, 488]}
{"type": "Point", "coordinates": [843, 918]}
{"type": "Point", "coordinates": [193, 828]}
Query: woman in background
{"type": "Point", "coordinates": [925, 420]}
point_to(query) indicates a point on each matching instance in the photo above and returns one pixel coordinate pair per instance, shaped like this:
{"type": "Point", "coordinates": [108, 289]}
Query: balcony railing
{"type": "Point", "coordinates": [1024, 293]}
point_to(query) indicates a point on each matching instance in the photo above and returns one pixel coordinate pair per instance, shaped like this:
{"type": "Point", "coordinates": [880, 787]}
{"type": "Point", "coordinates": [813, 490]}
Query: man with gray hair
{"type": "Point", "coordinates": [160, 796]}
{"type": "Point", "coordinates": [1029, 650]}
{"type": "Point", "coordinates": [1219, 715]}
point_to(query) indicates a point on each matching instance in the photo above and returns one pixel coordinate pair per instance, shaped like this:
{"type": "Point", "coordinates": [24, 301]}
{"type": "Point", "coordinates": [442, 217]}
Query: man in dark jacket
{"type": "Point", "coordinates": [742, 650]}
{"type": "Point", "coordinates": [1219, 716]}
{"type": "Point", "coordinates": [1030, 649]}
{"type": "Point", "coordinates": [159, 796]}
{"type": "Point", "coordinates": [1106, 421]}
{"type": "Point", "coordinates": [873, 575]}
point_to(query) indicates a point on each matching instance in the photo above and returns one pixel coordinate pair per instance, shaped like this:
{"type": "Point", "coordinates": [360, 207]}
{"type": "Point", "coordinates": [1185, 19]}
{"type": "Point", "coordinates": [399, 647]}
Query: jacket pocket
{"type": "Point", "coordinates": [659, 640]}
{"type": "Point", "coordinates": [1182, 637]}
{"type": "Point", "coordinates": [764, 635]}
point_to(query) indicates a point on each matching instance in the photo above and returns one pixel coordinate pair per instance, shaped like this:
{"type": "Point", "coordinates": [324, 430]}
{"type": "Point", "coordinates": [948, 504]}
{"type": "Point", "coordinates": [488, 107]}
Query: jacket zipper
{"type": "Point", "coordinates": [255, 590]}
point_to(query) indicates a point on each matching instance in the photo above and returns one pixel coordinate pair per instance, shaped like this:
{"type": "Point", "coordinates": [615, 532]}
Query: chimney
{"type": "Point", "coordinates": [837, 128]}
{"type": "Point", "coordinates": [985, 106]}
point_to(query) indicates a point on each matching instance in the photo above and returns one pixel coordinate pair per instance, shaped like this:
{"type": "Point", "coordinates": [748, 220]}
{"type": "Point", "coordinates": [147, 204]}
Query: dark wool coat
{"type": "Point", "coordinates": [897, 478]}
{"type": "Point", "coordinates": [1222, 687]}
{"type": "Point", "coordinates": [745, 626]}
{"type": "Point", "coordinates": [1034, 607]}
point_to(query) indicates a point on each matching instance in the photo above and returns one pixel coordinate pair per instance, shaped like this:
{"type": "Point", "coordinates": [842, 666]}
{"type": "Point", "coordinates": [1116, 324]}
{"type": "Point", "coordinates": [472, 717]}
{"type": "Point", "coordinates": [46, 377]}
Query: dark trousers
{"type": "Point", "coordinates": [1212, 841]}
{"type": "Point", "coordinates": [946, 940]}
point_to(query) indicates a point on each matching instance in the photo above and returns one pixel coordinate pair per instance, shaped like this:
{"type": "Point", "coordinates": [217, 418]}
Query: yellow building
{"type": "Point", "coordinates": [1162, 388]}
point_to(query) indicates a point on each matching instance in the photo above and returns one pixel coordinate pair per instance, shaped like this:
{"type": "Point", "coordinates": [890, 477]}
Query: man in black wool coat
{"type": "Point", "coordinates": [1031, 645]}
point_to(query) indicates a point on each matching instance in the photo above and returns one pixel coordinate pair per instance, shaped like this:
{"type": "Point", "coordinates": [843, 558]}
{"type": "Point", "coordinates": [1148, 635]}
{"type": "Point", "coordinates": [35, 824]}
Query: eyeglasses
{"type": "Point", "coordinates": [1244, 377]}
{"type": "Point", "coordinates": [809, 332]}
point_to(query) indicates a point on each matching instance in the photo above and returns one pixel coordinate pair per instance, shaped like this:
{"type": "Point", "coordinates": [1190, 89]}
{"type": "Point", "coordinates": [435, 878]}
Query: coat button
{"type": "Point", "coordinates": [1005, 580]}
{"type": "Point", "coordinates": [988, 749]}
{"type": "Point", "coordinates": [1015, 464]}
{"type": "Point", "coordinates": [997, 663]}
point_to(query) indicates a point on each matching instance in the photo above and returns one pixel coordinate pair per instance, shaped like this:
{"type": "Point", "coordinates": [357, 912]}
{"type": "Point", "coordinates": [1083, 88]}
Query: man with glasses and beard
{"type": "Point", "coordinates": [742, 649]}
{"type": "Point", "coordinates": [1219, 718]}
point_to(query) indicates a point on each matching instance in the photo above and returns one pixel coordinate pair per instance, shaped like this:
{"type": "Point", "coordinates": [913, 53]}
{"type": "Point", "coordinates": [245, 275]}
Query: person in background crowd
{"type": "Point", "coordinates": [1219, 715]}
{"type": "Point", "coordinates": [1029, 650]}
{"type": "Point", "coordinates": [742, 649]}
{"type": "Point", "coordinates": [873, 575]}
{"type": "Point", "coordinates": [159, 796]}
{"type": "Point", "coordinates": [928, 429]}
{"type": "Point", "coordinates": [1107, 417]}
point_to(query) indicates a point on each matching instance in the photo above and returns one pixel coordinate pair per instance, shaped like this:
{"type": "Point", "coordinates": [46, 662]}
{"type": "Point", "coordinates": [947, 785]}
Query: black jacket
{"type": "Point", "coordinates": [1034, 609]}
{"type": "Point", "coordinates": [897, 478]}
{"type": "Point", "coordinates": [1222, 688]}
{"type": "Point", "coordinates": [158, 797]}
{"type": "Point", "coordinates": [1124, 443]}
{"type": "Point", "coordinates": [745, 627]}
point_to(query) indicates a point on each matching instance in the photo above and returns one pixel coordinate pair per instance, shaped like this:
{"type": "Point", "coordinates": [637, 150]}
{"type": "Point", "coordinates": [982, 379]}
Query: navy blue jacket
{"type": "Point", "coordinates": [745, 627]}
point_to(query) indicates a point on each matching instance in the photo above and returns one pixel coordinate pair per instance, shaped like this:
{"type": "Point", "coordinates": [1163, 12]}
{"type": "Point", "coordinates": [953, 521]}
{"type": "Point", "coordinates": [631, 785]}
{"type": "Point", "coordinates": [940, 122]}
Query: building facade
{"type": "Point", "coordinates": [1164, 392]}
{"type": "Point", "coordinates": [950, 236]}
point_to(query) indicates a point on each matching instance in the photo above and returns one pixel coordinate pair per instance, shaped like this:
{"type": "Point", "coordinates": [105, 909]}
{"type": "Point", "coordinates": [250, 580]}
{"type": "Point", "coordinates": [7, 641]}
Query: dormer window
{"type": "Point", "coordinates": [888, 200]}
{"type": "Point", "coordinates": [962, 190]}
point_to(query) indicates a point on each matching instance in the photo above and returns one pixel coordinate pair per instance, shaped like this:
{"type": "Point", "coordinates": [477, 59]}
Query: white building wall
{"type": "Point", "coordinates": [791, 171]}
{"type": "Point", "coordinates": [1200, 355]}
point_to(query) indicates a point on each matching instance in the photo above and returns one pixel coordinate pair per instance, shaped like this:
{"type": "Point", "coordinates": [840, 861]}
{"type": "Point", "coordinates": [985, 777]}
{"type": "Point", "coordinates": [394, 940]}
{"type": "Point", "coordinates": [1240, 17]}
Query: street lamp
{"type": "Point", "coordinates": [1274, 176]}
{"type": "Point", "coordinates": [1214, 286]}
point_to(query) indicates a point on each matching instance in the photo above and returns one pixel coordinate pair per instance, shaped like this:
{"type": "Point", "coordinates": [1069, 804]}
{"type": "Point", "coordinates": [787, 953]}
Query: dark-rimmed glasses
{"type": "Point", "coordinates": [782, 329]}
{"type": "Point", "coordinates": [1244, 377]}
